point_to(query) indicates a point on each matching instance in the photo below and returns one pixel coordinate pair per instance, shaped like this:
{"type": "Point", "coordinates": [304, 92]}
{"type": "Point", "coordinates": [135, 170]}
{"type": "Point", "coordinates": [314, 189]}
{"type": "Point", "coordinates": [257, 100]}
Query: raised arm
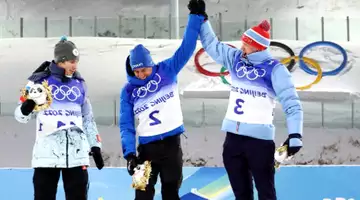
{"type": "Point", "coordinates": [127, 125]}
{"type": "Point", "coordinates": [221, 53]}
{"type": "Point", "coordinates": [187, 47]}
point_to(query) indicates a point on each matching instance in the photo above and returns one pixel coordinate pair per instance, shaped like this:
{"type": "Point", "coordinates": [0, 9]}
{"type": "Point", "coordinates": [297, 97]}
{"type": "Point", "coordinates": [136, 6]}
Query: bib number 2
{"type": "Point", "coordinates": [238, 106]}
{"type": "Point", "coordinates": [155, 121]}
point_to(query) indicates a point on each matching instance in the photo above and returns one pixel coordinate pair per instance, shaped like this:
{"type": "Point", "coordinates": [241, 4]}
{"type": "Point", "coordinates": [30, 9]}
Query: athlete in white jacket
{"type": "Point", "coordinates": [66, 131]}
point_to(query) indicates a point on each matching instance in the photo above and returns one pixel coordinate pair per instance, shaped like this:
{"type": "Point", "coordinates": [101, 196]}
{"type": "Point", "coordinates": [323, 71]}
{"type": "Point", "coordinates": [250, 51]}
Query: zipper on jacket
{"type": "Point", "coordinates": [67, 148]}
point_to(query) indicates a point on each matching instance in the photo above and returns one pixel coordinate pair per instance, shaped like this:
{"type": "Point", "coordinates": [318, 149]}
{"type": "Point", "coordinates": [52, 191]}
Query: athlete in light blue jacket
{"type": "Point", "coordinates": [257, 80]}
{"type": "Point", "coordinates": [151, 97]}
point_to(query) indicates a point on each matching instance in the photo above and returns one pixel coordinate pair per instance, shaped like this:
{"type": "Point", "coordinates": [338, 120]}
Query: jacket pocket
{"type": "Point", "coordinates": [78, 145]}
{"type": "Point", "coordinates": [49, 147]}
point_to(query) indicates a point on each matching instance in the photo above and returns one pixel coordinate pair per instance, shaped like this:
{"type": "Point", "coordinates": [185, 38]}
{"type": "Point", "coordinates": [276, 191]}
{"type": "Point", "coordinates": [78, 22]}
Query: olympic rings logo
{"type": "Point", "coordinates": [151, 86]}
{"type": "Point", "coordinates": [304, 62]}
{"type": "Point", "coordinates": [250, 73]}
{"type": "Point", "coordinates": [65, 92]}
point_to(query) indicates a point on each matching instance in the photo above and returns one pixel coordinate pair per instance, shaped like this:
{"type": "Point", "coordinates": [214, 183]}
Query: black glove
{"type": "Point", "coordinates": [27, 107]}
{"type": "Point", "coordinates": [132, 162]}
{"type": "Point", "coordinates": [294, 143]}
{"type": "Point", "coordinates": [197, 7]}
{"type": "Point", "coordinates": [96, 153]}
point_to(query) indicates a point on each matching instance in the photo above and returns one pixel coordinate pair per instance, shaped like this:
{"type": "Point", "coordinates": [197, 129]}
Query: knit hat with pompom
{"type": "Point", "coordinates": [258, 36]}
{"type": "Point", "coordinates": [65, 50]}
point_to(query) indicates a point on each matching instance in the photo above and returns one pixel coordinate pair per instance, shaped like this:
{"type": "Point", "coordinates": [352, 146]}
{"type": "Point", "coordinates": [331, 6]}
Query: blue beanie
{"type": "Point", "coordinates": [140, 57]}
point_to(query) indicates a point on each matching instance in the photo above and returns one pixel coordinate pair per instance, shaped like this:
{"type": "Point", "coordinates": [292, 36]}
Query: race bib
{"type": "Point", "coordinates": [250, 106]}
{"type": "Point", "coordinates": [52, 120]}
{"type": "Point", "coordinates": [160, 113]}
{"type": "Point", "coordinates": [65, 109]}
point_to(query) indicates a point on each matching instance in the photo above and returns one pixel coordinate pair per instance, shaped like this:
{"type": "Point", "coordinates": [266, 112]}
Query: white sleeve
{"type": "Point", "coordinates": [20, 117]}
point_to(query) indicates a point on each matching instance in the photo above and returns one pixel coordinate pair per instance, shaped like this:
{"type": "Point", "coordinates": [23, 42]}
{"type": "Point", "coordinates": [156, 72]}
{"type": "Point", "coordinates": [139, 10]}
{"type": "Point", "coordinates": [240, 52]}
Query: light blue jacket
{"type": "Point", "coordinates": [282, 84]}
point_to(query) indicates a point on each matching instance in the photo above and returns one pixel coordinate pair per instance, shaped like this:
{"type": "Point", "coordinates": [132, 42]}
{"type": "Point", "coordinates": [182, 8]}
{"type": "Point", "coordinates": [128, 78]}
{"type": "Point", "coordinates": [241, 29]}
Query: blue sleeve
{"type": "Point", "coordinates": [187, 47]}
{"type": "Point", "coordinates": [127, 125]}
{"type": "Point", "coordinates": [221, 53]}
{"type": "Point", "coordinates": [289, 99]}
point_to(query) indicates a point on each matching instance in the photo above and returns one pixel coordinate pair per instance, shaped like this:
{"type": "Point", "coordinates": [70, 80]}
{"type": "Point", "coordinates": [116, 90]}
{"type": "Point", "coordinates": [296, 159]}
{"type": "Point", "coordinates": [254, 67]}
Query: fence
{"type": "Point", "coordinates": [210, 112]}
{"type": "Point", "coordinates": [336, 29]}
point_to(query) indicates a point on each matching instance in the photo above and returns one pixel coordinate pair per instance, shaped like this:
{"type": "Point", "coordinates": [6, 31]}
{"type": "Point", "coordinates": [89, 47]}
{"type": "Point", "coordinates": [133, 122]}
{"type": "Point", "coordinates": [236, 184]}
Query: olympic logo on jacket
{"type": "Point", "coordinates": [251, 73]}
{"type": "Point", "coordinates": [65, 92]}
{"type": "Point", "coordinates": [151, 86]}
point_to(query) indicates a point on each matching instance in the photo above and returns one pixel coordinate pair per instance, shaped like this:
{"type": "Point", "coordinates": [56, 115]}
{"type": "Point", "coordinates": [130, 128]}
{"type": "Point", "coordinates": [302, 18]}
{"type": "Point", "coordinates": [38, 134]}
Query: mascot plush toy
{"type": "Point", "coordinates": [40, 93]}
{"type": "Point", "coordinates": [141, 176]}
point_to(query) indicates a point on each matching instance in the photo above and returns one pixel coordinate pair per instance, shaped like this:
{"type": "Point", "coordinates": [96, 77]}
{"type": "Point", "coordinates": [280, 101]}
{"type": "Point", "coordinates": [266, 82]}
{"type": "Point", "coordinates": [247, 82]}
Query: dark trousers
{"type": "Point", "coordinates": [246, 158]}
{"type": "Point", "coordinates": [75, 182]}
{"type": "Point", "coordinates": [166, 161]}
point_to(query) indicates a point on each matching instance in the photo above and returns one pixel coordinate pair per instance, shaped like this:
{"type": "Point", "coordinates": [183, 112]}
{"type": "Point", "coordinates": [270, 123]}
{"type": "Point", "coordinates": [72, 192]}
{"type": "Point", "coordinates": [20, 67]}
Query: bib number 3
{"type": "Point", "coordinates": [155, 121]}
{"type": "Point", "coordinates": [238, 106]}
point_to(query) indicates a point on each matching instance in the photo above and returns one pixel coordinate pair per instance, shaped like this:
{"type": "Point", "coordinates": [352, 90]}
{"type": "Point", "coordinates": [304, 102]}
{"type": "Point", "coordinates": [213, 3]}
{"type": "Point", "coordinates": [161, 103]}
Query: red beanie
{"type": "Point", "coordinates": [258, 36]}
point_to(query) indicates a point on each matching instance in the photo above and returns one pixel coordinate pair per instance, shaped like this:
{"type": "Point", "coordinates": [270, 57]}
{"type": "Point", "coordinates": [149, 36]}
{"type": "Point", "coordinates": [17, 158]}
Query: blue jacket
{"type": "Point", "coordinates": [167, 72]}
{"type": "Point", "coordinates": [280, 79]}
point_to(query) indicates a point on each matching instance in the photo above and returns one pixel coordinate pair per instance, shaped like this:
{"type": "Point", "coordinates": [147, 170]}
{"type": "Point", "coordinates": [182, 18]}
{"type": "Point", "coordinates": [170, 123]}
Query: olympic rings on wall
{"type": "Point", "coordinates": [304, 62]}
{"type": "Point", "coordinates": [204, 71]}
{"type": "Point", "coordinates": [223, 79]}
{"type": "Point", "coordinates": [311, 62]}
{"type": "Point", "coordinates": [291, 64]}
{"type": "Point", "coordinates": [334, 72]}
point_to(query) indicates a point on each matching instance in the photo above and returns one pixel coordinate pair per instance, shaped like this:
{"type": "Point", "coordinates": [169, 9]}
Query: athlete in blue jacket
{"type": "Point", "coordinates": [257, 80]}
{"type": "Point", "coordinates": [151, 96]}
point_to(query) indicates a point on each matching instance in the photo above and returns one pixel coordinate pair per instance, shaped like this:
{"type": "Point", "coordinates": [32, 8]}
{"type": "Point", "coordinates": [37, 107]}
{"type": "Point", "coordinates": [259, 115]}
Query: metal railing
{"type": "Point", "coordinates": [336, 29]}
